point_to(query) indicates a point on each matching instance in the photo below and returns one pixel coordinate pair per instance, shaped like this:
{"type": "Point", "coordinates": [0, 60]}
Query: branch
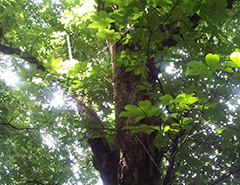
{"type": "Point", "coordinates": [146, 150]}
{"type": "Point", "coordinates": [170, 169]}
{"type": "Point", "coordinates": [199, 121]}
{"type": "Point", "coordinates": [226, 175]}
{"type": "Point", "coordinates": [23, 55]}
{"type": "Point", "coordinates": [12, 126]}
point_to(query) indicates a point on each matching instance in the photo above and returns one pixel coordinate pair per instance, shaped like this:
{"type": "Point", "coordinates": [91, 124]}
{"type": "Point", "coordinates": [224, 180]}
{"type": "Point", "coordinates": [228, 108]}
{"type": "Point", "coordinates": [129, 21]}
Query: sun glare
{"type": "Point", "coordinates": [10, 78]}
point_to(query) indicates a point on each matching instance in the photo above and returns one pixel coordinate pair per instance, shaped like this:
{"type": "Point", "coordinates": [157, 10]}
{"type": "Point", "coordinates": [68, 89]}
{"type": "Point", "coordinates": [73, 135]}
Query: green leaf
{"type": "Point", "coordinates": [127, 114]}
{"type": "Point", "coordinates": [177, 13]}
{"type": "Point", "coordinates": [130, 68]}
{"type": "Point", "coordinates": [231, 64]}
{"type": "Point", "coordinates": [133, 108]}
{"type": "Point", "coordinates": [175, 126]}
{"type": "Point", "coordinates": [197, 64]}
{"type": "Point", "coordinates": [166, 99]}
{"type": "Point", "coordinates": [94, 25]}
{"type": "Point", "coordinates": [166, 128]}
{"type": "Point", "coordinates": [212, 60]}
{"type": "Point", "coordinates": [186, 120]}
{"type": "Point", "coordinates": [175, 115]}
{"type": "Point", "coordinates": [235, 57]}
{"type": "Point", "coordinates": [220, 130]}
{"type": "Point", "coordinates": [145, 105]}
{"type": "Point", "coordinates": [192, 100]}
{"type": "Point", "coordinates": [198, 68]}
{"type": "Point", "coordinates": [154, 111]}
{"type": "Point", "coordinates": [142, 128]}
{"type": "Point", "coordinates": [177, 37]}
{"type": "Point", "coordinates": [181, 97]}
{"type": "Point", "coordinates": [138, 118]}
{"type": "Point", "coordinates": [186, 127]}
{"type": "Point", "coordinates": [137, 71]}
{"type": "Point", "coordinates": [102, 14]}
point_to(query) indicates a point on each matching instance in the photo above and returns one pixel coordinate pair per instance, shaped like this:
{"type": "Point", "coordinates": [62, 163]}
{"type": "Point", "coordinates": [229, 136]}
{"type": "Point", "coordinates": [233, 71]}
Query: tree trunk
{"type": "Point", "coordinates": [137, 158]}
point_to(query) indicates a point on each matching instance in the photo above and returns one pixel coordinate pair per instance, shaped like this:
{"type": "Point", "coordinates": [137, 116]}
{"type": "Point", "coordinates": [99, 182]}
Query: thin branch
{"type": "Point", "coordinates": [12, 126]}
{"type": "Point", "coordinates": [36, 41]}
{"type": "Point", "coordinates": [169, 15]}
{"type": "Point", "coordinates": [226, 175]}
{"type": "Point", "coordinates": [91, 112]}
{"type": "Point", "coordinates": [149, 154]}
{"type": "Point", "coordinates": [199, 121]}
{"type": "Point", "coordinates": [98, 53]}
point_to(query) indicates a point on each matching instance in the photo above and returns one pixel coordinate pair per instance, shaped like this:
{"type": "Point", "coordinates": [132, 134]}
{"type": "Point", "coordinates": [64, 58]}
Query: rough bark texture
{"type": "Point", "coordinates": [104, 160]}
{"type": "Point", "coordinates": [135, 160]}
{"type": "Point", "coordinates": [138, 150]}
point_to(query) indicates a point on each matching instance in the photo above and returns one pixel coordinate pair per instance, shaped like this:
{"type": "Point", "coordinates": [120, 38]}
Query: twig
{"type": "Point", "coordinates": [225, 176]}
{"type": "Point", "coordinates": [149, 154]}
{"type": "Point", "coordinates": [104, 49]}
{"type": "Point", "coordinates": [199, 121]}
{"type": "Point", "coordinates": [12, 126]}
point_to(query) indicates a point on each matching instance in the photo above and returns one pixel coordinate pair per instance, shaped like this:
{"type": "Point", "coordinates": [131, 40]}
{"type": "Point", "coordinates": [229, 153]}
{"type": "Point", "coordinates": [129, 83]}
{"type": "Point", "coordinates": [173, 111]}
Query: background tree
{"type": "Point", "coordinates": [155, 90]}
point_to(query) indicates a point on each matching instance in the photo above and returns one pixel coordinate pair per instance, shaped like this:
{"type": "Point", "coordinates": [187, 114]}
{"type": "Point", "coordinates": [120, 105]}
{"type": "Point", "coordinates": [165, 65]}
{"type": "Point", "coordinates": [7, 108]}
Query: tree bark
{"type": "Point", "coordinates": [136, 160]}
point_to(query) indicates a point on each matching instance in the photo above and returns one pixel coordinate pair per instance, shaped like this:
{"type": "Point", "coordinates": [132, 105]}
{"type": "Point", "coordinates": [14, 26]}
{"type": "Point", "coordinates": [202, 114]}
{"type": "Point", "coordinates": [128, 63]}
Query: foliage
{"type": "Point", "coordinates": [197, 100]}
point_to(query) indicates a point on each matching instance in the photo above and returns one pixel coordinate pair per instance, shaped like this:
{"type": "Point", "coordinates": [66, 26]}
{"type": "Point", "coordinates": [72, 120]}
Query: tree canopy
{"type": "Point", "coordinates": [132, 91]}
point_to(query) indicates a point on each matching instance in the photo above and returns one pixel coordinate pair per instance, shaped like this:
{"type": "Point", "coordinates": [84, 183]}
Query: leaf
{"type": "Point", "coordinates": [130, 68]}
{"type": "Point", "coordinates": [145, 105]}
{"type": "Point", "coordinates": [137, 71]}
{"type": "Point", "coordinates": [180, 97]}
{"type": "Point", "coordinates": [166, 99]}
{"type": "Point", "coordinates": [166, 128]}
{"type": "Point", "coordinates": [127, 114]}
{"type": "Point", "coordinates": [50, 59]}
{"type": "Point", "coordinates": [187, 127]}
{"type": "Point", "coordinates": [175, 115]}
{"type": "Point", "coordinates": [138, 118]}
{"type": "Point", "coordinates": [175, 126]}
{"type": "Point", "coordinates": [231, 64]}
{"type": "Point", "coordinates": [185, 120]}
{"type": "Point", "coordinates": [198, 68]}
{"type": "Point", "coordinates": [133, 108]}
{"type": "Point", "coordinates": [177, 13]}
{"type": "Point", "coordinates": [235, 57]}
{"type": "Point", "coordinates": [142, 128]}
{"type": "Point", "coordinates": [212, 60]}
{"type": "Point", "coordinates": [102, 14]}
{"type": "Point", "coordinates": [154, 111]}
{"type": "Point", "coordinates": [94, 25]}
{"type": "Point", "coordinates": [148, 128]}
{"type": "Point", "coordinates": [177, 37]}
{"type": "Point", "coordinates": [220, 130]}
{"type": "Point", "coordinates": [52, 63]}
{"type": "Point", "coordinates": [192, 100]}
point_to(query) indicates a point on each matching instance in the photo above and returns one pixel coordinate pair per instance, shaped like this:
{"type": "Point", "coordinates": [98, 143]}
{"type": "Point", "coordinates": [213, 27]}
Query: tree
{"type": "Point", "coordinates": [155, 84]}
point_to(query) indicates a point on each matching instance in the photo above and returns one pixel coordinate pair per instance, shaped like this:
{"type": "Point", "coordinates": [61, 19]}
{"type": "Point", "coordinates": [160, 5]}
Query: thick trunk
{"type": "Point", "coordinates": [136, 156]}
{"type": "Point", "coordinates": [137, 153]}
{"type": "Point", "coordinates": [104, 160]}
